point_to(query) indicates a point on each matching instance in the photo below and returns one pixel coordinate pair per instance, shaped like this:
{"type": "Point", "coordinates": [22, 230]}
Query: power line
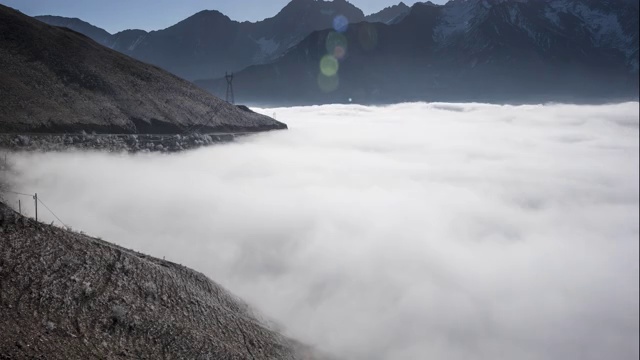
{"type": "Point", "coordinates": [38, 199]}
{"type": "Point", "coordinates": [52, 213]}
{"type": "Point", "coordinates": [230, 96]}
{"type": "Point", "coordinates": [16, 193]}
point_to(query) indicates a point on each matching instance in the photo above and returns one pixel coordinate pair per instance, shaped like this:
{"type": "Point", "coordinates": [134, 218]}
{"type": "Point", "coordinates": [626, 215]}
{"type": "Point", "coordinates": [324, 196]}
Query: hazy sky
{"type": "Point", "coordinates": [408, 232]}
{"type": "Point", "coordinates": [117, 15]}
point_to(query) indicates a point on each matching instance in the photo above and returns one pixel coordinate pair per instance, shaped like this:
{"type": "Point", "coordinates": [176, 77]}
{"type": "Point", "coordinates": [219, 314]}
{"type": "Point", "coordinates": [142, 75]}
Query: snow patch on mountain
{"type": "Point", "coordinates": [522, 23]}
{"type": "Point", "coordinates": [605, 27]}
{"type": "Point", "coordinates": [551, 14]}
{"type": "Point", "coordinates": [268, 47]}
{"type": "Point", "coordinates": [135, 44]}
{"type": "Point", "coordinates": [456, 18]}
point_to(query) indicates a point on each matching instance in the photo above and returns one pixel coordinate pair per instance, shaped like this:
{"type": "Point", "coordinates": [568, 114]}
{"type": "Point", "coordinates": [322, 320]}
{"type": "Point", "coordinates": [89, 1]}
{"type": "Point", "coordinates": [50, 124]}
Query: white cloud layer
{"type": "Point", "coordinates": [414, 231]}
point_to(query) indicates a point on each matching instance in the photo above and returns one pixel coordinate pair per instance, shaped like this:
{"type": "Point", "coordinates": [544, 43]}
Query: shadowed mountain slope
{"type": "Point", "coordinates": [390, 14]}
{"type": "Point", "coordinates": [209, 43]}
{"type": "Point", "coordinates": [56, 80]}
{"type": "Point", "coordinates": [467, 50]}
{"type": "Point", "coordinates": [65, 295]}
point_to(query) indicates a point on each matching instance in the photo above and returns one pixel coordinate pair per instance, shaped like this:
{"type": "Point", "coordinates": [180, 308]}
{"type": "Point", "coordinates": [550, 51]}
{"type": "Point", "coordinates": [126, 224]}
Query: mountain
{"type": "Point", "coordinates": [69, 296]}
{"type": "Point", "coordinates": [56, 80]}
{"type": "Point", "coordinates": [209, 43]}
{"type": "Point", "coordinates": [465, 50]}
{"type": "Point", "coordinates": [99, 35]}
{"type": "Point", "coordinates": [390, 14]}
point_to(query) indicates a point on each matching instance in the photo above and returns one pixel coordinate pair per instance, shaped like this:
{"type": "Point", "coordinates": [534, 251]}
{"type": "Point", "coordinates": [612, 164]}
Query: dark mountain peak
{"type": "Point", "coordinates": [422, 9]}
{"type": "Point", "coordinates": [202, 18]}
{"type": "Point", "coordinates": [211, 14]}
{"type": "Point", "coordinates": [390, 14]}
{"type": "Point", "coordinates": [127, 40]}
{"type": "Point", "coordinates": [130, 32]}
{"type": "Point", "coordinates": [322, 8]}
{"type": "Point", "coordinates": [426, 5]}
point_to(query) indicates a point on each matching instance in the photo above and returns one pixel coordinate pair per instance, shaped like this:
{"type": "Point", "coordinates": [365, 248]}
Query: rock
{"type": "Point", "coordinates": [111, 143]}
{"type": "Point", "coordinates": [23, 140]}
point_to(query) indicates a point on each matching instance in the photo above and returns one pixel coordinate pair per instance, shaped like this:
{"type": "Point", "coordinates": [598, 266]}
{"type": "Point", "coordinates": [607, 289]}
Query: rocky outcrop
{"type": "Point", "coordinates": [64, 295]}
{"type": "Point", "coordinates": [54, 80]}
{"type": "Point", "coordinates": [112, 143]}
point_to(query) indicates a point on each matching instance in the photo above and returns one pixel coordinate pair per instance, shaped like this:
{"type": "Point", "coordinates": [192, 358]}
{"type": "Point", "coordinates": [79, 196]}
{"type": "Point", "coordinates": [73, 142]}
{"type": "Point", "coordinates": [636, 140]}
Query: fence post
{"type": "Point", "coordinates": [19, 207]}
{"type": "Point", "coordinates": [35, 197]}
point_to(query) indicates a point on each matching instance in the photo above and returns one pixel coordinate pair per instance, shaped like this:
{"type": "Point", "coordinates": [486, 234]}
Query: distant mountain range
{"type": "Point", "coordinates": [209, 43]}
{"type": "Point", "coordinates": [56, 80]}
{"type": "Point", "coordinates": [467, 50]}
{"type": "Point", "coordinates": [484, 50]}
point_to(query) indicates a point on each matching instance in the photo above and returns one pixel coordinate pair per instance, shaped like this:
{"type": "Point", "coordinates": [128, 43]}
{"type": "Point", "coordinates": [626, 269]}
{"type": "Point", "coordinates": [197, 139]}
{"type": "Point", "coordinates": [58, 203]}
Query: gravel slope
{"type": "Point", "coordinates": [65, 295]}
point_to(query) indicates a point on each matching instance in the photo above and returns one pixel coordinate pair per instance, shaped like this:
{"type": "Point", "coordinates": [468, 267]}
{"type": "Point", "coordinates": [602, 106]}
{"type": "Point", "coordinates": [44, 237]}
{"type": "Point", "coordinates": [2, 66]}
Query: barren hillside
{"type": "Point", "coordinates": [65, 295]}
{"type": "Point", "coordinates": [56, 80]}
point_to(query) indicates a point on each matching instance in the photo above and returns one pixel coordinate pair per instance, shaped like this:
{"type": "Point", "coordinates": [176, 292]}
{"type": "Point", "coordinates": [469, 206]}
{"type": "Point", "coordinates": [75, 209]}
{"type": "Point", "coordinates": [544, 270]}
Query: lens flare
{"type": "Point", "coordinates": [328, 83]}
{"type": "Point", "coordinates": [337, 45]}
{"type": "Point", "coordinates": [340, 23]}
{"type": "Point", "coordinates": [329, 65]}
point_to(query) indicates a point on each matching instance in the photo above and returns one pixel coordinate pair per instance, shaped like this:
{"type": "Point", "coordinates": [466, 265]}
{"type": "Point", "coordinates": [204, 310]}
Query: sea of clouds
{"type": "Point", "coordinates": [413, 231]}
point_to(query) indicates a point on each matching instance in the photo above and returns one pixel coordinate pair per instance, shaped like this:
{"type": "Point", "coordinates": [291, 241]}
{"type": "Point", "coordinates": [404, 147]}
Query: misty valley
{"type": "Point", "coordinates": [319, 180]}
{"type": "Point", "coordinates": [392, 232]}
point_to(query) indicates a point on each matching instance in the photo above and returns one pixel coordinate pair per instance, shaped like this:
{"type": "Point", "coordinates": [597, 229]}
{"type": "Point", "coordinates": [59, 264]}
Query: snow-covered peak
{"type": "Point", "coordinates": [606, 24]}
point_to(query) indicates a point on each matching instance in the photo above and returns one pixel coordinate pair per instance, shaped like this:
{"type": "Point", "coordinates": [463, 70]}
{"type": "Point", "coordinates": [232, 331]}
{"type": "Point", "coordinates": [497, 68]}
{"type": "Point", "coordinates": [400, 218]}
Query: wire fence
{"type": "Point", "coordinates": [37, 200]}
{"type": "Point", "coordinates": [5, 167]}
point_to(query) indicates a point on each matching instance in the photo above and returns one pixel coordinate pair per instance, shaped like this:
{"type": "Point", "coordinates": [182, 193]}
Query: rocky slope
{"type": "Point", "coordinates": [65, 295]}
{"type": "Point", "coordinates": [131, 143]}
{"type": "Point", "coordinates": [466, 50]}
{"type": "Point", "coordinates": [209, 43]}
{"type": "Point", "coordinates": [56, 80]}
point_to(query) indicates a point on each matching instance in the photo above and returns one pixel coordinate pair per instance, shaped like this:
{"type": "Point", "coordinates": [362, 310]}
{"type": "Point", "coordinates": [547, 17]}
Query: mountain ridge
{"type": "Point", "coordinates": [57, 80]}
{"type": "Point", "coordinates": [209, 43]}
{"type": "Point", "coordinates": [524, 37]}
{"type": "Point", "coordinates": [390, 14]}
{"type": "Point", "coordinates": [466, 50]}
